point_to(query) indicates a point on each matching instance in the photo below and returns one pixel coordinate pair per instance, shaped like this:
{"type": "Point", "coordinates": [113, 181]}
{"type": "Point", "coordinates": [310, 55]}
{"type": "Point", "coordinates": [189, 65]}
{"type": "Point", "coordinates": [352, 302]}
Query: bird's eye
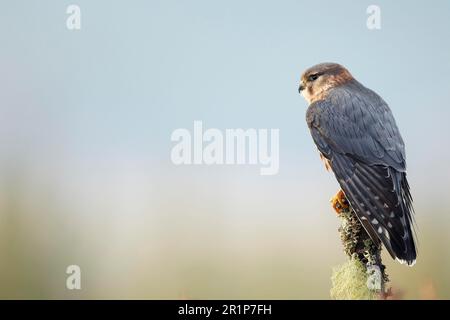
{"type": "Point", "coordinates": [313, 77]}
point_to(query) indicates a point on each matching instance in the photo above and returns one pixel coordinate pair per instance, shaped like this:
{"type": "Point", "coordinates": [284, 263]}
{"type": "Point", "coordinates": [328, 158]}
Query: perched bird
{"type": "Point", "coordinates": [358, 139]}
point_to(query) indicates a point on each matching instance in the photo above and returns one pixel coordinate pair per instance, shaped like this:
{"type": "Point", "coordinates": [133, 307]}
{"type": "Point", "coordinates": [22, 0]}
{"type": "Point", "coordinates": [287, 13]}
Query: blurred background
{"type": "Point", "coordinates": [85, 123]}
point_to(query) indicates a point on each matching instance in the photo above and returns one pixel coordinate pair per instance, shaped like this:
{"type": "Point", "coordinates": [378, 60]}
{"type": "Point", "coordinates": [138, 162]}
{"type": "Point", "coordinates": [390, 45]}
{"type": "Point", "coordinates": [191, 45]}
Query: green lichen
{"type": "Point", "coordinates": [364, 275]}
{"type": "Point", "coordinates": [350, 282]}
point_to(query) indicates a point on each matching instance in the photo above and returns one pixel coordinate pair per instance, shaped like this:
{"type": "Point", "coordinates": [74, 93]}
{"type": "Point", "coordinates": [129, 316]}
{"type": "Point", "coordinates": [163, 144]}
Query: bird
{"type": "Point", "coordinates": [359, 141]}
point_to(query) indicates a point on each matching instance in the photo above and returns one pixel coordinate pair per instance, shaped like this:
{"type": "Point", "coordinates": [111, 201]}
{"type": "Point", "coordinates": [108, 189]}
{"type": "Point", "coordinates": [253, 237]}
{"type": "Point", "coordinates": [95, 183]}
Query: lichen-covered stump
{"type": "Point", "coordinates": [364, 275]}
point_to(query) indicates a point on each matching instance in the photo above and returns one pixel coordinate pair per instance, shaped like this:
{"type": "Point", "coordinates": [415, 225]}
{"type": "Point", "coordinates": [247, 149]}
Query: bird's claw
{"type": "Point", "coordinates": [339, 202]}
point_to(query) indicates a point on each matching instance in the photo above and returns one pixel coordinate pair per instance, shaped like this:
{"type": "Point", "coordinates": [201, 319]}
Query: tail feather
{"type": "Point", "coordinates": [382, 201]}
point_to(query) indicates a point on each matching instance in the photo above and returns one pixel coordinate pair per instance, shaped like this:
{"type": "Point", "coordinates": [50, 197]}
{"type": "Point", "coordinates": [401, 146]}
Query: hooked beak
{"type": "Point", "coordinates": [302, 87]}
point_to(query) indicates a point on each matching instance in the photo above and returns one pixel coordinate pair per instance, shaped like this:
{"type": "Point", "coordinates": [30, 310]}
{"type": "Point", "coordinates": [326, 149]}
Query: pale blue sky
{"type": "Point", "coordinates": [139, 69]}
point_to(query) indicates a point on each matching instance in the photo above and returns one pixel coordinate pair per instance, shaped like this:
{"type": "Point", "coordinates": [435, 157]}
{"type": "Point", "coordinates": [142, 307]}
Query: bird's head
{"type": "Point", "coordinates": [319, 79]}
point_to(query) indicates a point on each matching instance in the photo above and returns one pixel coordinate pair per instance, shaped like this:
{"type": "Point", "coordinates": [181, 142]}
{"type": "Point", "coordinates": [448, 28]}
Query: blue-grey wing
{"type": "Point", "coordinates": [355, 130]}
{"type": "Point", "coordinates": [358, 124]}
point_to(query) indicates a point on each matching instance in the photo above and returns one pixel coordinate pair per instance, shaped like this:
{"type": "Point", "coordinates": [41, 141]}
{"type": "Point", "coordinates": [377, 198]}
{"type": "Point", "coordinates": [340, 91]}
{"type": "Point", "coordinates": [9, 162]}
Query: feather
{"type": "Point", "coordinates": [355, 130]}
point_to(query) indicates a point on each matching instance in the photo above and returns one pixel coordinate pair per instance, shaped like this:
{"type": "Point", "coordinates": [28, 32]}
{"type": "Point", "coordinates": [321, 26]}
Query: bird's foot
{"type": "Point", "coordinates": [339, 202]}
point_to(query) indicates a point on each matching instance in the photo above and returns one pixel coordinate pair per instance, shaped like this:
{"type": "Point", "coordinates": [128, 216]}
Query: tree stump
{"type": "Point", "coordinates": [364, 275]}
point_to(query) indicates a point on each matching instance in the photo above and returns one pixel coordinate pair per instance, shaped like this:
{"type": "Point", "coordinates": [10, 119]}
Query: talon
{"type": "Point", "coordinates": [339, 202]}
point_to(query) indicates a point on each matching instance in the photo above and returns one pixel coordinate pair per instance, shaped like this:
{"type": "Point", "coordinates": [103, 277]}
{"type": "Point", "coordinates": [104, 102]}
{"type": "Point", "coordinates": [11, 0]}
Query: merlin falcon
{"type": "Point", "coordinates": [358, 139]}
